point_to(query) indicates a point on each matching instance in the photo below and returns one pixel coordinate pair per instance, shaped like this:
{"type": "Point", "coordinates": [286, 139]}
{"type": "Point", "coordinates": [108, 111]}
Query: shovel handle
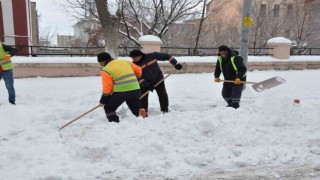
{"type": "Point", "coordinates": [143, 95]}
{"type": "Point", "coordinates": [79, 117]}
{"type": "Point", "coordinates": [242, 82]}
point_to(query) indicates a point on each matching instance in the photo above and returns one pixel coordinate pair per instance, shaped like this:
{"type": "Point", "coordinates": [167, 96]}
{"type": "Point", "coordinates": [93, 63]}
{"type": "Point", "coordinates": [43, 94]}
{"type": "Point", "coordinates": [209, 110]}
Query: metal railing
{"type": "Point", "coordinates": [37, 51]}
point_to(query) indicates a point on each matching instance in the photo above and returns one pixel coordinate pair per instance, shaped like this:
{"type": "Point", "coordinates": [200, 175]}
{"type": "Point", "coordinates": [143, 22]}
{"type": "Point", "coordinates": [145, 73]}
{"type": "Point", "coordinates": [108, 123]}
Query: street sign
{"type": "Point", "coordinates": [247, 21]}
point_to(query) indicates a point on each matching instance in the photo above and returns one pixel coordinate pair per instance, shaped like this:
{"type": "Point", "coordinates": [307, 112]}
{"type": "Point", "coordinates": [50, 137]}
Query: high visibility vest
{"type": "Point", "coordinates": [6, 65]}
{"type": "Point", "coordinates": [232, 62]}
{"type": "Point", "coordinates": [123, 76]}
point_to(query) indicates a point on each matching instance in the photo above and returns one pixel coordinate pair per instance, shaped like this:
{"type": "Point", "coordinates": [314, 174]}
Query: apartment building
{"type": "Point", "coordinates": [65, 40]}
{"type": "Point", "coordinates": [16, 23]}
{"type": "Point", "coordinates": [297, 20]}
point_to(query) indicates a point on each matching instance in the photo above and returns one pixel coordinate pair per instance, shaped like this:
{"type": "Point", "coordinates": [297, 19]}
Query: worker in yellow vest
{"type": "Point", "coordinates": [231, 65]}
{"type": "Point", "coordinates": [120, 84]}
{"type": "Point", "coordinates": [6, 72]}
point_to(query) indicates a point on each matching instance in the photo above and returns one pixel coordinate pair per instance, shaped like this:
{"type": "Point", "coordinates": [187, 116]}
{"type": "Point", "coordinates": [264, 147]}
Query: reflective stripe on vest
{"type": "Point", "coordinates": [123, 76]}
{"type": "Point", "coordinates": [149, 63]}
{"type": "Point", "coordinates": [6, 65]}
{"type": "Point", "coordinates": [232, 62]}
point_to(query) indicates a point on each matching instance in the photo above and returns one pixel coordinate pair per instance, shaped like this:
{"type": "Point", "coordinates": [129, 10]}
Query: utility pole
{"type": "Point", "coordinates": [245, 27]}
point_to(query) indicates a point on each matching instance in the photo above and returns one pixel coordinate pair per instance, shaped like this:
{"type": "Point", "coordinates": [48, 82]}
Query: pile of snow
{"type": "Point", "coordinates": [279, 40]}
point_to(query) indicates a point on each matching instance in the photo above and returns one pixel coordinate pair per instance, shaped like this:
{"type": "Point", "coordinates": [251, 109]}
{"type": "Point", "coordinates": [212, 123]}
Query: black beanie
{"type": "Point", "coordinates": [104, 56]}
{"type": "Point", "coordinates": [135, 53]}
{"type": "Point", "coordinates": [223, 48]}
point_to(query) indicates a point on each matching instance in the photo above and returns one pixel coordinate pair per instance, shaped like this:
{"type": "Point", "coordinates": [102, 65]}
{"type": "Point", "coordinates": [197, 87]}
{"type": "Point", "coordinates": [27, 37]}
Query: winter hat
{"type": "Point", "coordinates": [135, 53]}
{"type": "Point", "coordinates": [104, 56]}
{"type": "Point", "coordinates": [223, 48]}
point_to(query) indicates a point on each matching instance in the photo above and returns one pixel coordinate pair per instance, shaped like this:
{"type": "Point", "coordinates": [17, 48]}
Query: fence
{"type": "Point", "coordinates": [175, 51]}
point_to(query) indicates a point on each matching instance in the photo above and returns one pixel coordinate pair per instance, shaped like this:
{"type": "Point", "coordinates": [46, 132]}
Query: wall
{"type": "Point", "coordinates": [92, 69]}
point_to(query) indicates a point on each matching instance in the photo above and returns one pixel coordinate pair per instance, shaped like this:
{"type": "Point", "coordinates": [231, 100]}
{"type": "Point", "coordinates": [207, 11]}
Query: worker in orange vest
{"type": "Point", "coordinates": [120, 84]}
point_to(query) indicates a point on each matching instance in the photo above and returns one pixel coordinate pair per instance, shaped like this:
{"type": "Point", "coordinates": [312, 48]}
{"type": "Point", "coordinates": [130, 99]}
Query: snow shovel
{"type": "Point", "coordinates": [144, 94]}
{"type": "Point", "coordinates": [263, 85]}
{"type": "Point", "coordinates": [79, 117]}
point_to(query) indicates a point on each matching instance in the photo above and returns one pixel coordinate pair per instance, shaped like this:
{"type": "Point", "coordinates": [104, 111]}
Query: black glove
{"type": "Point", "coordinates": [104, 99]}
{"type": "Point", "coordinates": [178, 66]}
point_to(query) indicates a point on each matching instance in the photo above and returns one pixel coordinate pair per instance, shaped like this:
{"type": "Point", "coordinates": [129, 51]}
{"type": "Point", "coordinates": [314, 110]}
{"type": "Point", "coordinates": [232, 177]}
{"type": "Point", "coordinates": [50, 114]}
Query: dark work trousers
{"type": "Point", "coordinates": [117, 98]}
{"type": "Point", "coordinates": [162, 95]}
{"type": "Point", "coordinates": [232, 93]}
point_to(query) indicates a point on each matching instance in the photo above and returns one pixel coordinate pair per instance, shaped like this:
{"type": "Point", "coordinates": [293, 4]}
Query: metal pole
{"type": "Point", "coordinates": [246, 23]}
{"type": "Point", "coordinates": [245, 26]}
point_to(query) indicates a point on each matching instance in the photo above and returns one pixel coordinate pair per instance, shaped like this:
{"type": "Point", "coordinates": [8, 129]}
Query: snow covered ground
{"type": "Point", "coordinates": [267, 137]}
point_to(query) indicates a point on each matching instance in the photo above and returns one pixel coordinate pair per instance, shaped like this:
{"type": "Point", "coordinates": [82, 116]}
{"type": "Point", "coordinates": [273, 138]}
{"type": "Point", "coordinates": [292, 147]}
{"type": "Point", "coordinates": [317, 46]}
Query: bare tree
{"type": "Point", "coordinates": [153, 17]}
{"type": "Point", "coordinates": [294, 19]}
{"type": "Point", "coordinates": [110, 26]}
{"type": "Point", "coordinates": [306, 23]}
{"type": "Point", "coordinates": [207, 12]}
{"type": "Point", "coordinates": [46, 36]}
{"type": "Point", "coordinates": [221, 28]}
{"type": "Point", "coordinates": [105, 12]}
{"type": "Point", "coordinates": [46, 33]}
{"type": "Point", "coordinates": [95, 37]}
{"type": "Point", "coordinates": [138, 18]}
{"type": "Point", "coordinates": [200, 25]}
{"type": "Point", "coordinates": [268, 22]}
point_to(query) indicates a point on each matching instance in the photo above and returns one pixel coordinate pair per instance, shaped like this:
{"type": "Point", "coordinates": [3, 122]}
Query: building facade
{"type": "Point", "coordinates": [65, 40]}
{"type": "Point", "coordinates": [16, 25]}
{"type": "Point", "coordinates": [297, 20]}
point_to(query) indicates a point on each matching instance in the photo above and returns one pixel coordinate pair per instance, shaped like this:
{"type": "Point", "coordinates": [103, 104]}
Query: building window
{"type": "Point", "coordinates": [263, 9]}
{"type": "Point", "coordinates": [276, 10]}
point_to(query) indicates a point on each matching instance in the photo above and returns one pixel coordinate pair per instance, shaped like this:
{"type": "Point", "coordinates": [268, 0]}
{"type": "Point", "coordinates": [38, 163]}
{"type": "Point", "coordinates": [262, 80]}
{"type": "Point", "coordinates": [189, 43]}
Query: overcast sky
{"type": "Point", "coordinates": [53, 17]}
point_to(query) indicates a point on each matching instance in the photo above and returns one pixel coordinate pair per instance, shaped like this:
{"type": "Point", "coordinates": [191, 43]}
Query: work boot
{"type": "Point", "coordinates": [229, 103]}
{"type": "Point", "coordinates": [234, 105]}
{"type": "Point", "coordinates": [143, 113]}
{"type": "Point", "coordinates": [112, 117]}
{"type": "Point", "coordinates": [165, 111]}
{"type": "Point", "coordinates": [116, 121]}
{"type": "Point", "coordinates": [12, 102]}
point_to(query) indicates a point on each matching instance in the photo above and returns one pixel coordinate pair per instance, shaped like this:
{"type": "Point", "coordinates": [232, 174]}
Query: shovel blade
{"type": "Point", "coordinates": [122, 112]}
{"type": "Point", "coordinates": [269, 83]}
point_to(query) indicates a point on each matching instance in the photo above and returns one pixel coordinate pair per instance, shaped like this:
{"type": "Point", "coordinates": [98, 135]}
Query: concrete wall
{"type": "Point", "coordinates": [56, 70]}
{"type": "Point", "coordinates": [92, 69]}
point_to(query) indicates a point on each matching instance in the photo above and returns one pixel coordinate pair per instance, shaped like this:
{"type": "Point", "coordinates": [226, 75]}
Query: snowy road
{"type": "Point", "coordinates": [267, 137]}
